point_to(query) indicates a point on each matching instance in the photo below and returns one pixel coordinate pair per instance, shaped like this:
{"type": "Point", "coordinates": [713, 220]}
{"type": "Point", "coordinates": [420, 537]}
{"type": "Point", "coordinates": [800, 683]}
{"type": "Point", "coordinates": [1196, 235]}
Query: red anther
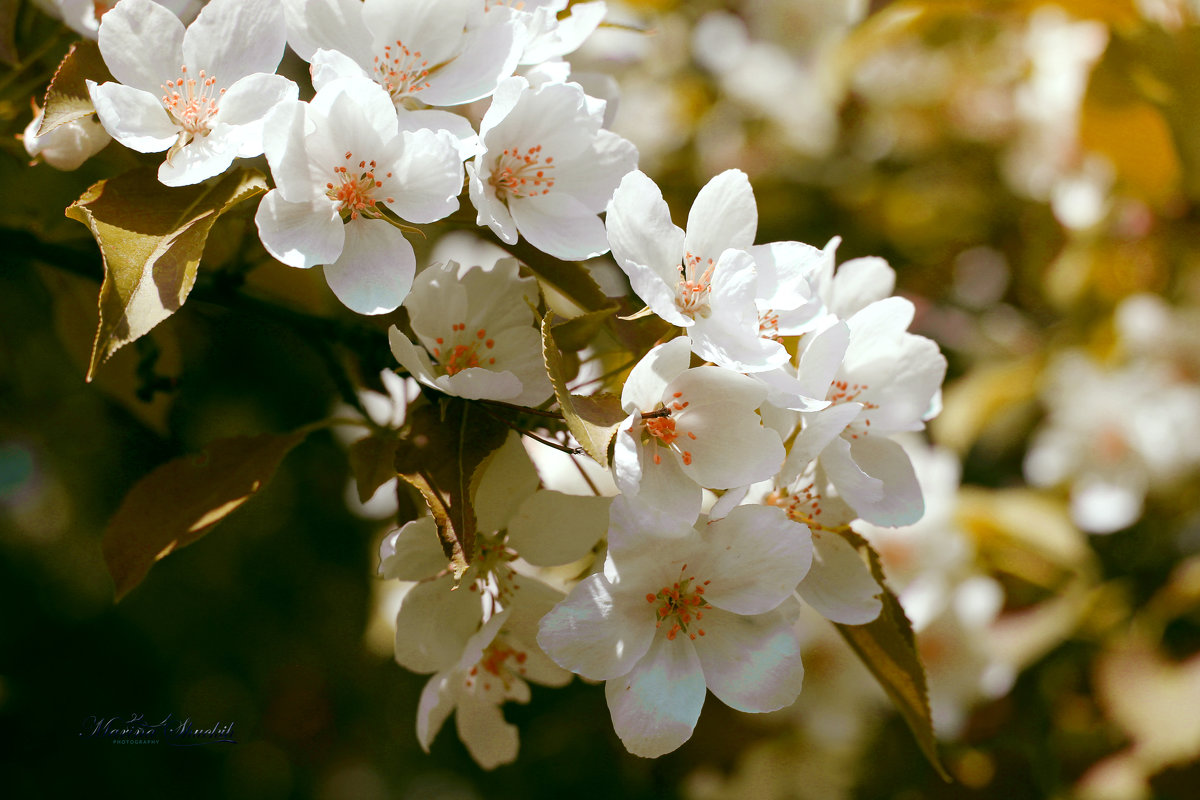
{"type": "Point", "coordinates": [691, 435]}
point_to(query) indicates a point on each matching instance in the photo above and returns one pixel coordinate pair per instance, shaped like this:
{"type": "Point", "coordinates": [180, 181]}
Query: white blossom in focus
{"type": "Point", "coordinates": [477, 335]}
{"type": "Point", "coordinates": [422, 52]}
{"type": "Point", "coordinates": [201, 94]}
{"type": "Point", "coordinates": [668, 619]}
{"type": "Point", "coordinates": [546, 168]}
{"type": "Point", "coordinates": [702, 280]}
{"type": "Point", "coordinates": [343, 171]}
{"type": "Point", "coordinates": [687, 429]}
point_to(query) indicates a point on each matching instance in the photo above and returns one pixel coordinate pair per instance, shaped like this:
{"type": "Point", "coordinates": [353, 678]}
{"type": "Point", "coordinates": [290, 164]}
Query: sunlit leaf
{"type": "Point", "coordinates": [888, 648]}
{"type": "Point", "coordinates": [67, 97]}
{"type": "Point", "coordinates": [440, 454]}
{"type": "Point", "coordinates": [182, 500]}
{"type": "Point", "coordinates": [568, 278]}
{"type": "Point", "coordinates": [151, 237]}
{"type": "Point", "coordinates": [373, 461]}
{"type": "Point", "coordinates": [593, 419]}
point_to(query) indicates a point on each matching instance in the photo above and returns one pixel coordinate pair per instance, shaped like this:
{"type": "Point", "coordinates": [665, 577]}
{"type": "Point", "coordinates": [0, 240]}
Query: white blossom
{"type": "Point", "coordinates": [546, 168]}
{"type": "Point", "coordinates": [478, 327]}
{"type": "Point", "coordinates": [665, 621]}
{"type": "Point", "coordinates": [200, 94]}
{"type": "Point", "coordinates": [343, 172]}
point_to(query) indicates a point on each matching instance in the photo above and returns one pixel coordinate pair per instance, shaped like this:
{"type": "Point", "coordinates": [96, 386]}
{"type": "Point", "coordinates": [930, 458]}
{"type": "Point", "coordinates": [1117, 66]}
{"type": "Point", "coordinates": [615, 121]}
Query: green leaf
{"type": "Point", "coordinates": [578, 332]}
{"type": "Point", "coordinates": [440, 454]}
{"type": "Point", "coordinates": [888, 648]}
{"type": "Point", "coordinates": [373, 461]}
{"type": "Point", "coordinates": [182, 500]}
{"type": "Point", "coordinates": [67, 97]}
{"type": "Point", "coordinates": [151, 237]}
{"type": "Point", "coordinates": [592, 419]}
{"type": "Point", "coordinates": [568, 278]}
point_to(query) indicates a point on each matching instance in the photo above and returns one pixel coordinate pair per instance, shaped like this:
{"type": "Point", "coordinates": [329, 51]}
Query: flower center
{"type": "Point", "coordinates": [846, 392]}
{"type": "Point", "coordinates": [192, 102]}
{"type": "Point", "coordinates": [353, 189]}
{"type": "Point", "coordinates": [768, 324]}
{"type": "Point", "coordinates": [462, 352]}
{"type": "Point", "coordinates": [802, 505]}
{"type": "Point", "coordinates": [518, 174]}
{"type": "Point", "coordinates": [499, 662]}
{"type": "Point", "coordinates": [401, 71]}
{"type": "Point", "coordinates": [680, 604]}
{"type": "Point", "coordinates": [694, 287]}
{"type": "Point", "coordinates": [660, 425]}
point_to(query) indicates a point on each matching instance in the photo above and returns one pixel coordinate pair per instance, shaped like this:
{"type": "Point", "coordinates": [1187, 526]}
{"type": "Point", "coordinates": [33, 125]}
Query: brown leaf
{"type": "Point", "coordinates": [440, 454]}
{"type": "Point", "coordinates": [182, 500]}
{"type": "Point", "coordinates": [373, 461]}
{"type": "Point", "coordinates": [151, 237]}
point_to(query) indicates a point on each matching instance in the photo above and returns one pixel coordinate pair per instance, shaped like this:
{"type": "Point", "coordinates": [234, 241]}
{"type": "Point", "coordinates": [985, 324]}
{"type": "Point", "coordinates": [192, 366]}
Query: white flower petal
{"type": "Point", "coordinates": [199, 160]}
{"type": "Point", "coordinates": [142, 45]}
{"type": "Point", "coordinates": [839, 585]}
{"type": "Point", "coordinates": [375, 269]}
{"type": "Point", "coordinates": [901, 502]}
{"type": "Point", "coordinates": [751, 663]}
{"type": "Point", "coordinates": [299, 234]}
{"type": "Point", "coordinates": [508, 479]}
{"type": "Point", "coordinates": [592, 177]}
{"type": "Point", "coordinates": [488, 56]}
{"type": "Point", "coordinates": [597, 632]}
{"type": "Point", "coordinates": [332, 65]}
{"type": "Point", "coordinates": [434, 624]}
{"type": "Point", "coordinates": [559, 225]}
{"type": "Point", "coordinates": [412, 553]}
{"type": "Point", "coordinates": [133, 117]}
{"type": "Point", "coordinates": [552, 528]}
{"type": "Point", "coordinates": [490, 210]}
{"type": "Point", "coordinates": [329, 24]}
{"type": "Point", "coordinates": [723, 215]}
{"type": "Point", "coordinates": [434, 119]}
{"type": "Point", "coordinates": [728, 445]}
{"type": "Point", "coordinates": [438, 699]}
{"type": "Point", "coordinates": [645, 243]}
{"type": "Point", "coordinates": [482, 728]}
{"type": "Point", "coordinates": [649, 378]}
{"type": "Point", "coordinates": [655, 707]}
{"type": "Point", "coordinates": [755, 557]}
{"type": "Point", "coordinates": [860, 282]}
{"type": "Point", "coordinates": [431, 174]}
{"type": "Point", "coordinates": [476, 383]}
{"type": "Point", "coordinates": [231, 39]}
{"type": "Point", "coordinates": [247, 104]}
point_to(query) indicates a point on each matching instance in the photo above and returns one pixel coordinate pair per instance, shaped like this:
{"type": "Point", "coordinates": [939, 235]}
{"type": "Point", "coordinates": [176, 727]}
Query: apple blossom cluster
{"type": "Point", "coordinates": [743, 442]}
